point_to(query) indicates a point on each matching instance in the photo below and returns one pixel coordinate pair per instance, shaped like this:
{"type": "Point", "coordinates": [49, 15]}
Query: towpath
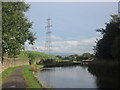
{"type": "Point", "coordinates": [15, 79]}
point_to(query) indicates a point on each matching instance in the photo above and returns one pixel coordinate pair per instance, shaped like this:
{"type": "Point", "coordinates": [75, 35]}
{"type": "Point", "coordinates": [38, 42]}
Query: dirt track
{"type": "Point", "coordinates": [15, 79]}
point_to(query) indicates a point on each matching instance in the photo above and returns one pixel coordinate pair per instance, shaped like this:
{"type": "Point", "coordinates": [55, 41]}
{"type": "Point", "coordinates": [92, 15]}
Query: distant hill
{"type": "Point", "coordinates": [39, 55]}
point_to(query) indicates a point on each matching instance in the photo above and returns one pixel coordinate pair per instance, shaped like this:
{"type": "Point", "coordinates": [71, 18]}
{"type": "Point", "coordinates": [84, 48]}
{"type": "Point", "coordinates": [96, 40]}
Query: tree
{"type": "Point", "coordinates": [73, 57]}
{"type": "Point", "coordinates": [60, 57]}
{"type": "Point", "coordinates": [66, 58]}
{"type": "Point", "coordinates": [15, 27]}
{"type": "Point", "coordinates": [31, 57]}
{"type": "Point", "coordinates": [87, 56]}
{"type": "Point", "coordinates": [108, 46]}
{"type": "Point", "coordinates": [79, 58]}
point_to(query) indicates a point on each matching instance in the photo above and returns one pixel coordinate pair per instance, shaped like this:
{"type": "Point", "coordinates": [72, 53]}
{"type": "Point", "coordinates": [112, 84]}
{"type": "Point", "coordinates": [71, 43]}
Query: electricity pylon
{"type": "Point", "coordinates": [48, 45]}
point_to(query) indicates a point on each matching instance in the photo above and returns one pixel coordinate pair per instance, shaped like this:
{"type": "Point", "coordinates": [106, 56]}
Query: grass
{"type": "Point", "coordinates": [38, 55]}
{"type": "Point", "coordinates": [40, 66]}
{"type": "Point", "coordinates": [30, 79]}
{"type": "Point", "coordinates": [6, 72]}
{"type": "Point", "coordinates": [76, 61]}
{"type": "Point", "coordinates": [35, 67]}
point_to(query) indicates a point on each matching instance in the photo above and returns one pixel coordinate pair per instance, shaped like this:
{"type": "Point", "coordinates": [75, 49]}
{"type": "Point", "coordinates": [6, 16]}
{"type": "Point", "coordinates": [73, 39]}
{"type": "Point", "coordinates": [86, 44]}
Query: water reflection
{"type": "Point", "coordinates": [106, 81]}
{"type": "Point", "coordinates": [84, 66]}
{"type": "Point", "coordinates": [76, 77]}
{"type": "Point", "coordinates": [67, 77]}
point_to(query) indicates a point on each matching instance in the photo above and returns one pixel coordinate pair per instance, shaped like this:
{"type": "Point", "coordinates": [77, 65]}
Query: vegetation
{"type": "Point", "coordinates": [107, 51]}
{"type": "Point", "coordinates": [40, 66]}
{"type": "Point", "coordinates": [59, 64]}
{"type": "Point", "coordinates": [31, 58]}
{"type": "Point", "coordinates": [60, 57]}
{"type": "Point", "coordinates": [38, 55]}
{"type": "Point", "coordinates": [107, 47]}
{"type": "Point", "coordinates": [33, 55]}
{"type": "Point", "coordinates": [6, 72]}
{"type": "Point", "coordinates": [31, 80]}
{"type": "Point", "coordinates": [36, 67]}
{"type": "Point", "coordinates": [15, 28]}
{"type": "Point", "coordinates": [76, 57]}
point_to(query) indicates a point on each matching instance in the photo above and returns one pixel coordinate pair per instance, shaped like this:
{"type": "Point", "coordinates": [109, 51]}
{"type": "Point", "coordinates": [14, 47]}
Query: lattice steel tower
{"type": "Point", "coordinates": [48, 45]}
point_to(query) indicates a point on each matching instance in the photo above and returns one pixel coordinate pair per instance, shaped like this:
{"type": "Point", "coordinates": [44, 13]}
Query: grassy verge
{"type": "Point", "coordinates": [36, 68]}
{"type": "Point", "coordinates": [6, 72]}
{"type": "Point", "coordinates": [30, 79]}
{"type": "Point", "coordinates": [77, 61]}
{"type": "Point", "coordinates": [40, 66]}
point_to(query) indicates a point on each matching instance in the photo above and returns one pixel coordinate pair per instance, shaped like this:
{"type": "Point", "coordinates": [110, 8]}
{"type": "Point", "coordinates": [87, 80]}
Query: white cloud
{"type": "Point", "coordinates": [69, 47]}
{"type": "Point", "coordinates": [53, 37]}
{"type": "Point", "coordinates": [76, 47]}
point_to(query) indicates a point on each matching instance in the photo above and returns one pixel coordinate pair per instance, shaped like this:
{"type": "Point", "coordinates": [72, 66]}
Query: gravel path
{"type": "Point", "coordinates": [15, 79]}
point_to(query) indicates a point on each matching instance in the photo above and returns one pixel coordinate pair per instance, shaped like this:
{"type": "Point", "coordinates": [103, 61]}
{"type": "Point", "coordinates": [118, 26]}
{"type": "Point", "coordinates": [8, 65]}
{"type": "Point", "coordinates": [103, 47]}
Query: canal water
{"type": "Point", "coordinates": [73, 77]}
{"type": "Point", "coordinates": [67, 77]}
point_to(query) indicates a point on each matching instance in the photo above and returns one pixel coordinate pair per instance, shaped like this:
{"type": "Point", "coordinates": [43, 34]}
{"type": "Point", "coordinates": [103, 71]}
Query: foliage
{"type": "Point", "coordinates": [87, 56]}
{"type": "Point", "coordinates": [15, 27]}
{"type": "Point", "coordinates": [60, 57]}
{"type": "Point", "coordinates": [31, 57]}
{"type": "Point", "coordinates": [66, 58]}
{"type": "Point", "coordinates": [73, 57]}
{"type": "Point", "coordinates": [108, 46]}
{"type": "Point", "coordinates": [76, 57]}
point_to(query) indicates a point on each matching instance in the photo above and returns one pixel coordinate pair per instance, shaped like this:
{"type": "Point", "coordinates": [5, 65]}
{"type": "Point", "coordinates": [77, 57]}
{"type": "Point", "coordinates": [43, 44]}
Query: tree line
{"type": "Point", "coordinates": [107, 48]}
{"type": "Point", "coordinates": [76, 57]}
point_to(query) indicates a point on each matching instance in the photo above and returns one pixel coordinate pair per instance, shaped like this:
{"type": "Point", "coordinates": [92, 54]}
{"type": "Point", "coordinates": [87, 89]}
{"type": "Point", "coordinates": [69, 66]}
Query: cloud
{"type": "Point", "coordinates": [53, 37]}
{"type": "Point", "coordinates": [74, 47]}
{"type": "Point", "coordinates": [68, 47]}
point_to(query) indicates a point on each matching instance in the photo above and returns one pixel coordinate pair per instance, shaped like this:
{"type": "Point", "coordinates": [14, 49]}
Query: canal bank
{"type": "Point", "coordinates": [20, 77]}
{"type": "Point", "coordinates": [63, 64]}
{"type": "Point", "coordinates": [15, 78]}
{"type": "Point", "coordinates": [30, 78]}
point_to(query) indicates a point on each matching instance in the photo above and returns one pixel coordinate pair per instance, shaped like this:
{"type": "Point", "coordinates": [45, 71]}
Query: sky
{"type": "Point", "coordinates": [74, 24]}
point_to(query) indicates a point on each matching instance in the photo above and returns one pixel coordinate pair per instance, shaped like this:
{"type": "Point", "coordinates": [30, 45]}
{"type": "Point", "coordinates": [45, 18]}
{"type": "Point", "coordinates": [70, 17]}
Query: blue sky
{"type": "Point", "coordinates": [73, 24]}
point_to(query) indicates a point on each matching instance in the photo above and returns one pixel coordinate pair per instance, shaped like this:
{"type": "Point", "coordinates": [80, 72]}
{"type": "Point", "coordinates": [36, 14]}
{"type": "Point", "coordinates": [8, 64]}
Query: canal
{"type": "Point", "coordinates": [72, 77]}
